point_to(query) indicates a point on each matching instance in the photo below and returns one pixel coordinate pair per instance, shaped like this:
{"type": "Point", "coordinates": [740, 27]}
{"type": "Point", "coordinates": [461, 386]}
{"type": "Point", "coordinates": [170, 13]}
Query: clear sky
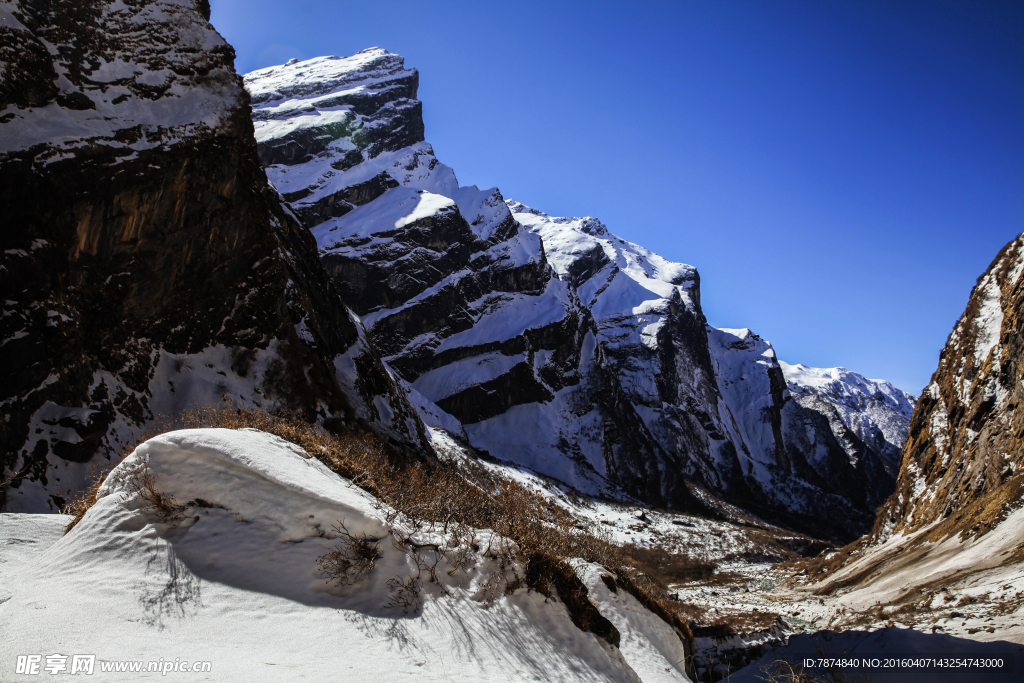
{"type": "Point", "coordinates": [840, 173]}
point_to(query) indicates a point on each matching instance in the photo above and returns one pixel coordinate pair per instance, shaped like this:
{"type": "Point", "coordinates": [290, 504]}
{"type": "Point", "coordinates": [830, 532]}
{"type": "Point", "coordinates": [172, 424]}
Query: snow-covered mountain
{"type": "Point", "coordinates": [874, 410]}
{"type": "Point", "coordinates": [145, 262]}
{"type": "Point", "coordinates": [557, 345]}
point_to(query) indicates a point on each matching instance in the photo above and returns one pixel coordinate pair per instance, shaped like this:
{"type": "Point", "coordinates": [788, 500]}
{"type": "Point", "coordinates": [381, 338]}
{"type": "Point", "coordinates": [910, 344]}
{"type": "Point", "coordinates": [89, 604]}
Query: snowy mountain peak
{"type": "Point", "coordinates": [373, 68]}
{"type": "Point", "coordinates": [743, 338]}
{"type": "Point", "coordinates": [518, 207]}
{"type": "Point", "coordinates": [586, 224]}
{"type": "Point", "coordinates": [581, 248]}
{"type": "Point", "coordinates": [848, 387]}
{"type": "Point", "coordinates": [338, 111]}
{"type": "Point", "coordinates": [606, 377]}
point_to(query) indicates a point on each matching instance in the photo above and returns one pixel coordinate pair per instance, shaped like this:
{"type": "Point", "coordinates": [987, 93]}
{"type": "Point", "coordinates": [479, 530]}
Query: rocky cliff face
{"type": "Point", "coordinates": [950, 535]}
{"type": "Point", "coordinates": [146, 262]}
{"type": "Point", "coordinates": [455, 292]}
{"type": "Point", "coordinates": [963, 462]}
{"type": "Point", "coordinates": [844, 431]}
{"type": "Point", "coordinates": [555, 344]}
{"type": "Point", "coordinates": [802, 445]}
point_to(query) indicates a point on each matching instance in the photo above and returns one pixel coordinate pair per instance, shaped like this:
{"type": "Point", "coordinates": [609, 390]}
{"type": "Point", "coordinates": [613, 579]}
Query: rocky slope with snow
{"type": "Point", "coordinates": [232, 579]}
{"type": "Point", "coordinates": [776, 437]}
{"type": "Point", "coordinates": [146, 263]}
{"type": "Point", "coordinates": [844, 431]}
{"type": "Point", "coordinates": [555, 344]}
{"type": "Point", "coordinates": [945, 553]}
{"type": "Point", "coordinates": [964, 459]}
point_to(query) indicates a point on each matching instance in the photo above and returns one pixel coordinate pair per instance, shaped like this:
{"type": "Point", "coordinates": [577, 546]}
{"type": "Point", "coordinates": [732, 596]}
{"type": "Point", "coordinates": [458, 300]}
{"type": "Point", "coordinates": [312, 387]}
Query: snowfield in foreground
{"type": "Point", "coordinates": [234, 580]}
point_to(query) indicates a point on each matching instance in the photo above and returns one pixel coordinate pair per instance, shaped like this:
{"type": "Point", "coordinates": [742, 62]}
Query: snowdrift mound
{"type": "Point", "coordinates": [302, 574]}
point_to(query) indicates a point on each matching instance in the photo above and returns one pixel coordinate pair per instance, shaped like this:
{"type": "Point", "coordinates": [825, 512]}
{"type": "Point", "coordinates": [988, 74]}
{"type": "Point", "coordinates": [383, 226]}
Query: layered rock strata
{"type": "Point", "coordinates": [555, 344]}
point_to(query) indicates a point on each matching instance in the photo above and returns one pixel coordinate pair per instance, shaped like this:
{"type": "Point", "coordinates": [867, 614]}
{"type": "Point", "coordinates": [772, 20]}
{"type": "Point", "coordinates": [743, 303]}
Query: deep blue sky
{"type": "Point", "coordinates": [839, 172]}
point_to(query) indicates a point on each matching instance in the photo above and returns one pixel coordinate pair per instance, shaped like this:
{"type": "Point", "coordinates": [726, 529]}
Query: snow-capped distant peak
{"type": "Point", "coordinates": [842, 382]}
{"type": "Point", "coordinates": [586, 224]}
{"type": "Point", "coordinates": [742, 338]}
{"type": "Point", "coordinates": [518, 207]}
{"type": "Point", "coordinates": [581, 247]}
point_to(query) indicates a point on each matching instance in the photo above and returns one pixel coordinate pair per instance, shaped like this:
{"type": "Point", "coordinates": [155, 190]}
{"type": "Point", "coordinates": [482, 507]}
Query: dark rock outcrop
{"type": "Point", "coordinates": [146, 263]}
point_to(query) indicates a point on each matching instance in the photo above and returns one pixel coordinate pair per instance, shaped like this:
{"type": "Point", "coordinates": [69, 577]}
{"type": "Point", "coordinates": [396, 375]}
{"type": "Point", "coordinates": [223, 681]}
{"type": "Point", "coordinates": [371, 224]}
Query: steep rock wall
{"type": "Point", "coordinates": [963, 462]}
{"type": "Point", "coordinates": [147, 264]}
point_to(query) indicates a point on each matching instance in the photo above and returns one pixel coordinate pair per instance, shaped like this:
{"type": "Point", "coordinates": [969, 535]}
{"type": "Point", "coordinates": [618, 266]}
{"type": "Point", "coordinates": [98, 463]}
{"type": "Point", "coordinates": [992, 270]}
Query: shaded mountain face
{"type": "Point", "coordinates": [843, 432]}
{"type": "Point", "coordinates": [555, 344]}
{"type": "Point", "coordinates": [963, 462]}
{"type": "Point", "coordinates": [146, 262]}
{"type": "Point", "coordinates": [796, 444]}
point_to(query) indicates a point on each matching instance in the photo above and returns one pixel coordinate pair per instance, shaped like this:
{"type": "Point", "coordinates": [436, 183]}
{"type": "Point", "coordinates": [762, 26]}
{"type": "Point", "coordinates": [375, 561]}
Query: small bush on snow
{"type": "Point", "coordinates": [138, 480]}
{"type": "Point", "coordinates": [352, 559]}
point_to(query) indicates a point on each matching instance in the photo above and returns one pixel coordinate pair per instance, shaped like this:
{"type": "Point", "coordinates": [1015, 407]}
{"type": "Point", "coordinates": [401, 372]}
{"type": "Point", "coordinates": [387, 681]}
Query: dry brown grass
{"type": "Point", "coordinates": [667, 568]}
{"type": "Point", "coordinates": [138, 480]}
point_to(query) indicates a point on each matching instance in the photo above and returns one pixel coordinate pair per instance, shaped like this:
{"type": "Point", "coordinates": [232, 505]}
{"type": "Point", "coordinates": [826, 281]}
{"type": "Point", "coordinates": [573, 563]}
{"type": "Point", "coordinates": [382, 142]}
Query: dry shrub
{"type": "Point", "coordinates": [405, 593]}
{"type": "Point", "coordinates": [137, 479]}
{"type": "Point", "coordinates": [100, 468]}
{"type": "Point", "coordinates": [784, 671]}
{"type": "Point", "coordinates": [352, 559]}
{"type": "Point", "coordinates": [78, 505]}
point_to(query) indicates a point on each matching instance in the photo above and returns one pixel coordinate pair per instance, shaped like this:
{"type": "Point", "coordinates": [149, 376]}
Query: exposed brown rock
{"type": "Point", "coordinates": [963, 463]}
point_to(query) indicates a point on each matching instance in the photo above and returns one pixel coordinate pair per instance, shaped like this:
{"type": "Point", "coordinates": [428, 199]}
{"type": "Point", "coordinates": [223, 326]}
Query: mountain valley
{"type": "Point", "coordinates": [272, 380]}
